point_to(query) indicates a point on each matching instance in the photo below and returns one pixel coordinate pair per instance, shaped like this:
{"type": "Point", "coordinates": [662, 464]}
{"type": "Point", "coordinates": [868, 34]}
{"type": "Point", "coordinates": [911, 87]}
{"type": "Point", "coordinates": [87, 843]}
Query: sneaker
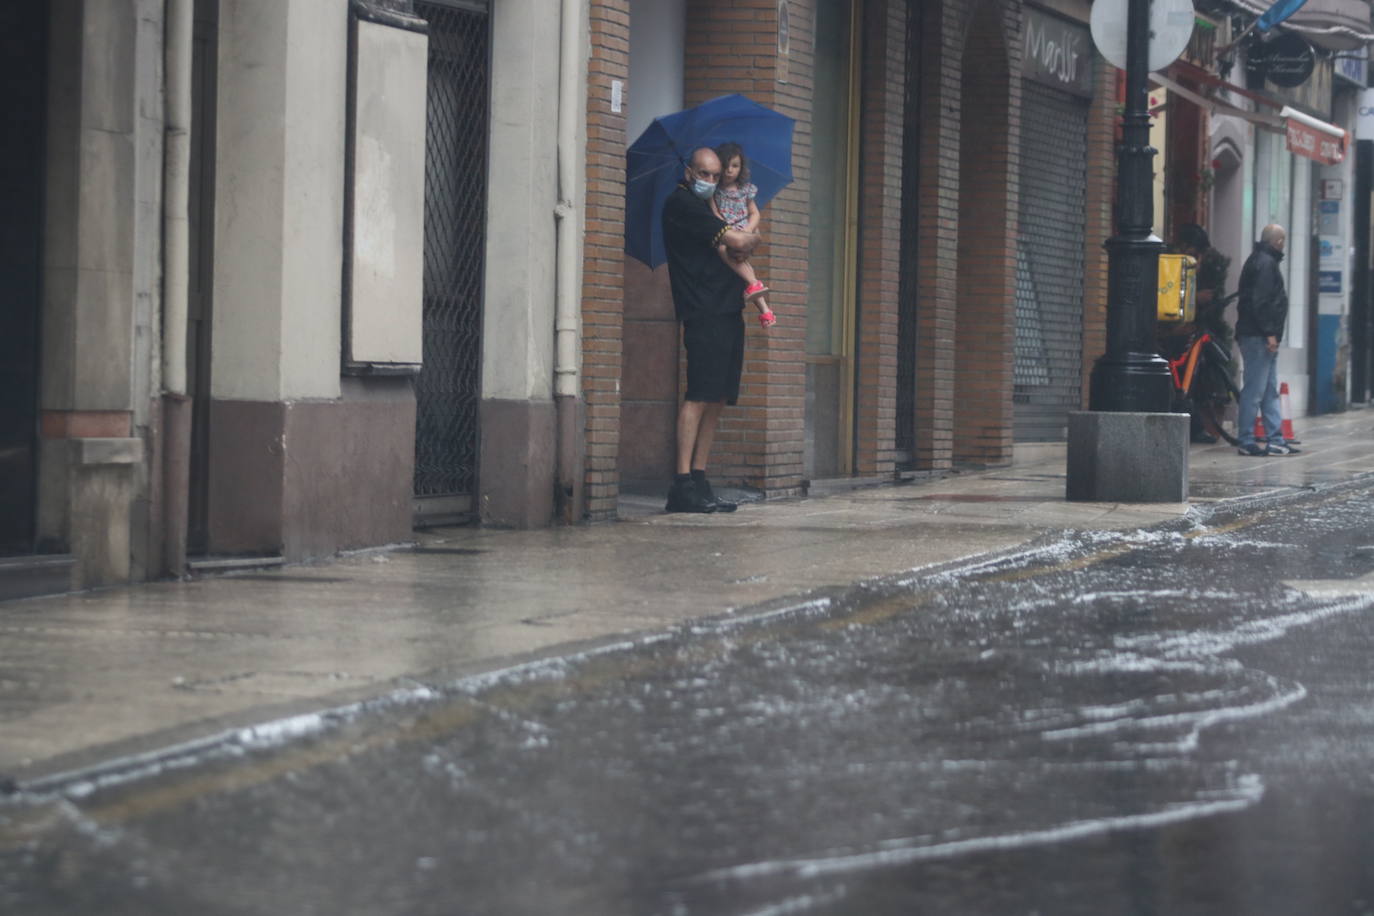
{"type": "Point", "coordinates": [707, 494]}
{"type": "Point", "coordinates": [754, 290]}
{"type": "Point", "coordinates": [1284, 449]}
{"type": "Point", "coordinates": [1254, 450]}
{"type": "Point", "coordinates": [1204, 439]}
{"type": "Point", "coordinates": [684, 497]}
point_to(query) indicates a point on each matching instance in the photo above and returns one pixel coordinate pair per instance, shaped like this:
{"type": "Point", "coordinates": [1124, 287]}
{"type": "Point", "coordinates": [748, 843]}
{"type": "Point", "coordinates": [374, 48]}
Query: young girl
{"type": "Point", "coordinates": [734, 203]}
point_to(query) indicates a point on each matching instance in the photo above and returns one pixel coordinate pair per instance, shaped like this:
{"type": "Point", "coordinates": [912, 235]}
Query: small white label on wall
{"type": "Point", "coordinates": [617, 96]}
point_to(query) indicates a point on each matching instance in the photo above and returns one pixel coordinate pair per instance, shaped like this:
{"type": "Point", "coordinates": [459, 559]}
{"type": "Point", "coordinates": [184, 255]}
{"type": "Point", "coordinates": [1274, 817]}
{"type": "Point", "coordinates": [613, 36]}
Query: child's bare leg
{"type": "Point", "coordinates": [741, 267]}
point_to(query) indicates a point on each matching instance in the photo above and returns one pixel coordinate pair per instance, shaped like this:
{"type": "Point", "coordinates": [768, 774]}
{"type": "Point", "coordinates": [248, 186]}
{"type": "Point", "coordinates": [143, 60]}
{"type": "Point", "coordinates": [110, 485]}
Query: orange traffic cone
{"type": "Point", "coordinates": [1260, 434]}
{"type": "Point", "coordinates": [1287, 427]}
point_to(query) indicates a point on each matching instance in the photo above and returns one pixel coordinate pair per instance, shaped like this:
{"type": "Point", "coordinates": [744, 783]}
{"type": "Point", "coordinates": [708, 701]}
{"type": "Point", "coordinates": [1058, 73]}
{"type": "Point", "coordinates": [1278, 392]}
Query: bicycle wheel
{"type": "Point", "coordinates": [1211, 419]}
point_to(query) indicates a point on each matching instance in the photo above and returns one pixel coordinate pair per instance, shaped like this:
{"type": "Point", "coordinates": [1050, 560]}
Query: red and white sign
{"type": "Point", "coordinates": [1317, 140]}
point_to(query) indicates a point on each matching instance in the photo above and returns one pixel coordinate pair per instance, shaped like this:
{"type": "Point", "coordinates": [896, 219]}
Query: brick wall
{"type": "Point", "coordinates": [732, 46]}
{"type": "Point", "coordinates": [967, 200]}
{"type": "Point", "coordinates": [603, 271]}
{"type": "Point", "coordinates": [988, 208]}
{"type": "Point", "coordinates": [1098, 227]}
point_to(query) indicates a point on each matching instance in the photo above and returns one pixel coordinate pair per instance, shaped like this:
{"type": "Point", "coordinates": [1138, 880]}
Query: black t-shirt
{"type": "Point", "coordinates": [702, 283]}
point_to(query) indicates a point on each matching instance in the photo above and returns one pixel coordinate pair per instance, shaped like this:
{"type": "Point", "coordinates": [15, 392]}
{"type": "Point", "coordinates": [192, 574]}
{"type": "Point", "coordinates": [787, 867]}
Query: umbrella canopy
{"type": "Point", "coordinates": [655, 161]}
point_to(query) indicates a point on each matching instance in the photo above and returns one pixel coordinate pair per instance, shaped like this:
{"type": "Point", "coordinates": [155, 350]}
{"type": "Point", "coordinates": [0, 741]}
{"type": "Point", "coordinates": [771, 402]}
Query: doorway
{"type": "Point", "coordinates": [448, 388]}
{"type": "Point", "coordinates": [832, 256]}
{"type": "Point", "coordinates": [23, 63]}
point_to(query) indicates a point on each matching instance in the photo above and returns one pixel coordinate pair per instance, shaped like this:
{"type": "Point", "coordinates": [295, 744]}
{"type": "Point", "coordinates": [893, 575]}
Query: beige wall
{"type": "Point", "coordinates": [517, 333]}
{"type": "Point", "coordinates": [279, 199]}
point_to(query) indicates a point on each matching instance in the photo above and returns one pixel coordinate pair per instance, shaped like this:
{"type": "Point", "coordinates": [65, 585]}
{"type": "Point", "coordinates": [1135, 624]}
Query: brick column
{"type": "Point", "coordinates": [989, 199]}
{"type": "Point", "coordinates": [880, 226]}
{"type": "Point", "coordinates": [603, 291]}
{"type": "Point", "coordinates": [1101, 192]}
{"type": "Point", "coordinates": [941, 44]}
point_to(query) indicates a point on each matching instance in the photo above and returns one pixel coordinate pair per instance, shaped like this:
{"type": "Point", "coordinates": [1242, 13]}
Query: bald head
{"type": "Point", "coordinates": [705, 165]}
{"type": "Point", "coordinates": [1274, 236]}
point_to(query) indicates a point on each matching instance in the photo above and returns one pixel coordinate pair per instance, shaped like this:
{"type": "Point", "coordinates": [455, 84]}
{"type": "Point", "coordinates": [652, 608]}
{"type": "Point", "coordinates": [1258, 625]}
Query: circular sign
{"type": "Point", "coordinates": [1286, 61]}
{"type": "Point", "coordinates": [1171, 27]}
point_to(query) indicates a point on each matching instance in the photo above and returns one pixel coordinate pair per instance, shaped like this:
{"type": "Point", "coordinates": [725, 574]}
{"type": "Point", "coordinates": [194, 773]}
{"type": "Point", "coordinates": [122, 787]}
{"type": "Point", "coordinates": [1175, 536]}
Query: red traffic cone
{"type": "Point", "coordinates": [1287, 427]}
{"type": "Point", "coordinates": [1260, 434]}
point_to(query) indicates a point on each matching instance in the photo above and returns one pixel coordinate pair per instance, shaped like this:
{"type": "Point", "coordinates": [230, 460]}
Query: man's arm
{"type": "Point", "coordinates": [692, 222]}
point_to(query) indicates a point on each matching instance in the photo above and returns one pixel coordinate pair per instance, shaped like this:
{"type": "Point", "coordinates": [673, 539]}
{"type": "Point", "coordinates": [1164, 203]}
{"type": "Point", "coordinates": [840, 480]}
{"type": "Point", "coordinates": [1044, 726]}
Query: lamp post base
{"type": "Point", "coordinates": [1120, 457]}
{"type": "Point", "coordinates": [1138, 382]}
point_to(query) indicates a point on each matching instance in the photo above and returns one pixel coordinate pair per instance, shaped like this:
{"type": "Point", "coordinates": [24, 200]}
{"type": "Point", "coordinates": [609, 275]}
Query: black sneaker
{"type": "Point", "coordinates": [1286, 448]}
{"type": "Point", "coordinates": [683, 497]}
{"type": "Point", "coordinates": [705, 492]}
{"type": "Point", "coordinates": [1254, 450]}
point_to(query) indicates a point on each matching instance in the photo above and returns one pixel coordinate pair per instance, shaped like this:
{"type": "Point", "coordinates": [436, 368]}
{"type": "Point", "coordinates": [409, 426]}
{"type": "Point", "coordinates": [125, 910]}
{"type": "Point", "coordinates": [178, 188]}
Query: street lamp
{"type": "Point", "coordinates": [1131, 376]}
{"type": "Point", "coordinates": [1127, 446]}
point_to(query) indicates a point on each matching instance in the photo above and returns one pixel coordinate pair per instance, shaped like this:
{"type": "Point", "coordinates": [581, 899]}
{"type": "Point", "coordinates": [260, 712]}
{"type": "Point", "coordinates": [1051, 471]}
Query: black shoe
{"type": "Point", "coordinates": [1284, 449]}
{"type": "Point", "coordinates": [1254, 450]}
{"type": "Point", "coordinates": [1204, 439]}
{"type": "Point", "coordinates": [683, 497]}
{"type": "Point", "coordinates": [706, 493]}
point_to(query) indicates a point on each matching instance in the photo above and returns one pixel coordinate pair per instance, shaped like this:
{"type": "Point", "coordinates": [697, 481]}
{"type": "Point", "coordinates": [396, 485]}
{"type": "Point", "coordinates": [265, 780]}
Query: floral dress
{"type": "Point", "coordinates": [733, 203]}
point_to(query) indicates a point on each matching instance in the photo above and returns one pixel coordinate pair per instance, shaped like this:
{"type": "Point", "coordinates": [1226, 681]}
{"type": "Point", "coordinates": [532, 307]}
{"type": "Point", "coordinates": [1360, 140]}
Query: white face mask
{"type": "Point", "coordinates": [703, 189]}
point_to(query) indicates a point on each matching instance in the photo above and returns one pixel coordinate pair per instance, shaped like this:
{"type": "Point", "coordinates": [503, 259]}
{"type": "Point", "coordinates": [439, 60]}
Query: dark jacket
{"type": "Point", "coordinates": [1263, 303]}
{"type": "Point", "coordinates": [701, 282]}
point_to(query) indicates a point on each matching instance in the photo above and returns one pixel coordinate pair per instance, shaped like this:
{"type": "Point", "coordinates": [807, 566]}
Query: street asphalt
{"type": "Point", "coordinates": [104, 679]}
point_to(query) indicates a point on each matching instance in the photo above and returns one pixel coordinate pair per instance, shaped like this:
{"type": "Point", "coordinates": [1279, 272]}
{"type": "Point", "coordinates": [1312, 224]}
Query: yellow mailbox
{"type": "Point", "coordinates": [1177, 287]}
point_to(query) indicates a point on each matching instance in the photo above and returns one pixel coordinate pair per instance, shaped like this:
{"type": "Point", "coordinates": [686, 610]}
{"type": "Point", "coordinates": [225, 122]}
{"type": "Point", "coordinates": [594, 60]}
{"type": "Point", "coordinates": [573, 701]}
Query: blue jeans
{"type": "Point", "coordinates": [1259, 391]}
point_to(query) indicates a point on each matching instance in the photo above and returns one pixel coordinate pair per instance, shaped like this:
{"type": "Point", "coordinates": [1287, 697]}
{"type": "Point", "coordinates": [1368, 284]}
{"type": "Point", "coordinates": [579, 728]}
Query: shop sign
{"type": "Point", "coordinates": [1316, 145]}
{"type": "Point", "coordinates": [1353, 65]}
{"type": "Point", "coordinates": [1057, 52]}
{"type": "Point", "coordinates": [1286, 61]}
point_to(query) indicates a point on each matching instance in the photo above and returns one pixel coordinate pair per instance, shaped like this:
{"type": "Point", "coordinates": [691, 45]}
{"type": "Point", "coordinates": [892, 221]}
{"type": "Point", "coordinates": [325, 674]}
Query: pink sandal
{"type": "Point", "coordinates": [767, 319]}
{"type": "Point", "coordinates": [754, 290]}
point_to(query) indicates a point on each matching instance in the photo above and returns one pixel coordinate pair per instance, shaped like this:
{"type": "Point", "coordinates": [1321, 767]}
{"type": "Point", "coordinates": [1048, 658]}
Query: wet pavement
{"type": "Point", "coordinates": [97, 679]}
{"type": "Point", "coordinates": [1173, 719]}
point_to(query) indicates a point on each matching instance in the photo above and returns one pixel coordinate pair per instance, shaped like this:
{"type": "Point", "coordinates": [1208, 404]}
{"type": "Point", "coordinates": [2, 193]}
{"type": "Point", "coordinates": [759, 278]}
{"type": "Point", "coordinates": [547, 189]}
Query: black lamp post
{"type": "Point", "coordinates": [1131, 376]}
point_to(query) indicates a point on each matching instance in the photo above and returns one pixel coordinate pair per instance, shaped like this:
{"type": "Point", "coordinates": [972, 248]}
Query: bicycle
{"type": "Point", "coordinates": [1199, 369]}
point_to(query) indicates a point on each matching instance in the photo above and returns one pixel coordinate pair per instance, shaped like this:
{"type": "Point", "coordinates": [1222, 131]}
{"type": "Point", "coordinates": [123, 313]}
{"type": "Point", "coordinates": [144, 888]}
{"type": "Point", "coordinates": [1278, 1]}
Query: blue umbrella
{"type": "Point", "coordinates": [655, 162]}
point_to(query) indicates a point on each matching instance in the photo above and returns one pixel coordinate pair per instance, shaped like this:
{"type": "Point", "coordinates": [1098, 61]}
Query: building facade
{"type": "Point", "coordinates": [293, 277]}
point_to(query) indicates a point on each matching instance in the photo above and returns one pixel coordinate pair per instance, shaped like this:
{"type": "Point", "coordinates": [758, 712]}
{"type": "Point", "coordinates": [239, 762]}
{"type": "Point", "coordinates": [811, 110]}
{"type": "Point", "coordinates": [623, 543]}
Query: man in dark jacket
{"type": "Point", "coordinates": [709, 298]}
{"type": "Point", "coordinates": [1263, 312]}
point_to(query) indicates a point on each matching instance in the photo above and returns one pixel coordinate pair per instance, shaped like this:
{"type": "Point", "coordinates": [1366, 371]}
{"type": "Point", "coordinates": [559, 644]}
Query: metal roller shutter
{"type": "Point", "coordinates": [1049, 263]}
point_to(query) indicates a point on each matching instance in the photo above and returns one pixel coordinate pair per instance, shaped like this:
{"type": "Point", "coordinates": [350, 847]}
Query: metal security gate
{"type": "Point", "coordinates": [1049, 263]}
{"type": "Point", "coordinates": [447, 390]}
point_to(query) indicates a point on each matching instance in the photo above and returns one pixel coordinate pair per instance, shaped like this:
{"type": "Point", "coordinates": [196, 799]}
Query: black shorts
{"type": "Point", "coordinates": [715, 356]}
